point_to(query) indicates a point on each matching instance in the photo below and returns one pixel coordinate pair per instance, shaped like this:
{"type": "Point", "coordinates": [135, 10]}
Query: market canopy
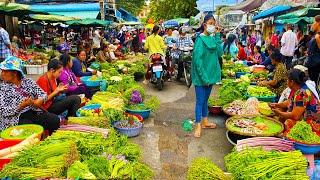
{"type": "Point", "coordinates": [308, 20]}
{"type": "Point", "coordinates": [89, 22]}
{"type": "Point", "coordinates": [270, 12]}
{"type": "Point", "coordinates": [207, 5]}
{"type": "Point", "coordinates": [293, 3]}
{"type": "Point", "coordinates": [306, 12]}
{"type": "Point", "coordinates": [17, 10]}
{"type": "Point", "coordinates": [79, 10]}
{"type": "Point", "coordinates": [248, 5]}
{"type": "Point", "coordinates": [51, 18]}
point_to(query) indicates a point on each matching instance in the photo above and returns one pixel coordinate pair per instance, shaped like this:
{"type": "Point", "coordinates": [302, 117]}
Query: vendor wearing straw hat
{"type": "Point", "coordinates": [21, 99]}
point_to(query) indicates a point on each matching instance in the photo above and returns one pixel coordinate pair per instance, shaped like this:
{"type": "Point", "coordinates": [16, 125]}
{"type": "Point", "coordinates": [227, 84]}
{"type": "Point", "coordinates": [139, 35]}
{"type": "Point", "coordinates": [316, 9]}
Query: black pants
{"type": "Point", "coordinates": [314, 73]}
{"type": "Point", "coordinates": [288, 61]}
{"type": "Point", "coordinates": [70, 103]}
{"type": "Point", "coordinates": [47, 120]}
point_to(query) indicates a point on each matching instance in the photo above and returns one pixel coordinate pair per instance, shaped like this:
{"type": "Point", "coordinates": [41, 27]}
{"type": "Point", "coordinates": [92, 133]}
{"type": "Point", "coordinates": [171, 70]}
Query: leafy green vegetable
{"type": "Point", "coordinates": [258, 91]}
{"type": "Point", "coordinates": [101, 122]}
{"type": "Point", "coordinates": [153, 103]}
{"type": "Point", "coordinates": [232, 90]}
{"type": "Point", "coordinates": [113, 115]}
{"type": "Point", "coordinates": [80, 170]}
{"type": "Point", "coordinates": [260, 165]}
{"type": "Point", "coordinates": [302, 132]}
{"type": "Point", "coordinates": [215, 102]}
{"type": "Point", "coordinates": [203, 168]}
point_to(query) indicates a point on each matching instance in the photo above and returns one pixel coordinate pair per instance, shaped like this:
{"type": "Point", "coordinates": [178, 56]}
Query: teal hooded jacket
{"type": "Point", "coordinates": [205, 60]}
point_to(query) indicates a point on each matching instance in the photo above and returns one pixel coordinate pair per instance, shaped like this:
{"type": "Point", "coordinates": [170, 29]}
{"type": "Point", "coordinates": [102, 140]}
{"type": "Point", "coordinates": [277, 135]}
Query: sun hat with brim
{"type": "Point", "coordinates": [12, 63]}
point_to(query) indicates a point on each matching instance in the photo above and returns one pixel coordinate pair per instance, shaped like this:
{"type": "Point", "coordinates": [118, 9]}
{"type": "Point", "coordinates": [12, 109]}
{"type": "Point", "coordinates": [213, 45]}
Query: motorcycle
{"type": "Point", "coordinates": [186, 58]}
{"type": "Point", "coordinates": [158, 71]}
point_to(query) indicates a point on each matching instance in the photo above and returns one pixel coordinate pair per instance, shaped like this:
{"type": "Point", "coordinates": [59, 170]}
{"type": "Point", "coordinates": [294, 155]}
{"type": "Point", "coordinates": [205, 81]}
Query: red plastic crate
{"type": "Point", "coordinates": [5, 144]}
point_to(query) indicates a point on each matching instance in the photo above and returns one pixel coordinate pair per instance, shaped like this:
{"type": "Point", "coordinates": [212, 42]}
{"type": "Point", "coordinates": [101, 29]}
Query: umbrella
{"type": "Point", "coordinates": [17, 10]}
{"type": "Point", "coordinates": [182, 20]}
{"type": "Point", "coordinates": [89, 22]}
{"type": "Point", "coordinates": [149, 26]}
{"type": "Point", "coordinates": [171, 23]}
{"type": "Point", "coordinates": [51, 18]}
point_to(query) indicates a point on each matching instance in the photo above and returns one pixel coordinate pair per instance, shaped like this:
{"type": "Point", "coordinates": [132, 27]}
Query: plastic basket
{"type": "Point", "coordinates": [215, 109]}
{"type": "Point", "coordinates": [88, 107]}
{"type": "Point", "coordinates": [239, 74]}
{"type": "Point", "coordinates": [86, 81]}
{"type": "Point", "coordinates": [130, 132]}
{"type": "Point", "coordinates": [143, 113]}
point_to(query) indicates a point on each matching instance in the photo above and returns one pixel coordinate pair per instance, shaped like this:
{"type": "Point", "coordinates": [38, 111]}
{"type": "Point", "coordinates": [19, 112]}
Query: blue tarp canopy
{"type": "Point", "coordinates": [272, 11]}
{"type": "Point", "coordinates": [125, 15]}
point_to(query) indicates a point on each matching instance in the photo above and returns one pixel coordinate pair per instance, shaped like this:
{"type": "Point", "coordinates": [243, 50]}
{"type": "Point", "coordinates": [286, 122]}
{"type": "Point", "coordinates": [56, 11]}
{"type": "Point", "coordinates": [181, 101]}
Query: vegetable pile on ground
{"type": "Point", "coordinates": [202, 168]}
{"type": "Point", "coordinates": [259, 164]}
{"type": "Point", "coordinates": [302, 132]}
{"type": "Point", "coordinates": [258, 91]}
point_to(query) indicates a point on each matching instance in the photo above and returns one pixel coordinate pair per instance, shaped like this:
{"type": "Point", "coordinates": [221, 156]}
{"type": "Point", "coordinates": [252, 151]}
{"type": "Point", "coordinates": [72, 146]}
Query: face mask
{"type": "Point", "coordinates": [210, 29]}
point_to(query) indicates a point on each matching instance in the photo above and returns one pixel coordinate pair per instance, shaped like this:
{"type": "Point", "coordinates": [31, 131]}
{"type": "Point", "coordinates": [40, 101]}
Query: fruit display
{"type": "Point", "coordinates": [254, 126]}
{"type": "Point", "coordinates": [257, 91]}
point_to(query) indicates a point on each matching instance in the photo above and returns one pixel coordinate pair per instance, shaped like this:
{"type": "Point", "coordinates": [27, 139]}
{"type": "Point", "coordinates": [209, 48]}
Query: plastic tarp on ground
{"type": "Point", "coordinates": [248, 5]}
{"type": "Point", "coordinates": [18, 10]}
{"type": "Point", "coordinates": [270, 12]}
{"type": "Point", "coordinates": [306, 12]}
{"type": "Point", "coordinates": [88, 22]}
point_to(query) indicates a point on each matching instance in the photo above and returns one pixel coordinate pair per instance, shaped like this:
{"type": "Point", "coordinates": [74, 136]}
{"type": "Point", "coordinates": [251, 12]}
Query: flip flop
{"type": "Point", "coordinates": [209, 126]}
{"type": "Point", "coordinates": [197, 134]}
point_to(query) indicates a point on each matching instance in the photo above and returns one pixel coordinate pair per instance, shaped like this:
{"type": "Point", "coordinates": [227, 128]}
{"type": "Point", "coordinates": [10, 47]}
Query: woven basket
{"type": "Point", "coordinates": [230, 120]}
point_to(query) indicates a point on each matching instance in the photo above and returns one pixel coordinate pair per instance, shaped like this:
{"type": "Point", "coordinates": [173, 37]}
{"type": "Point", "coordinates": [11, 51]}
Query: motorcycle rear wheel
{"type": "Point", "coordinates": [160, 84]}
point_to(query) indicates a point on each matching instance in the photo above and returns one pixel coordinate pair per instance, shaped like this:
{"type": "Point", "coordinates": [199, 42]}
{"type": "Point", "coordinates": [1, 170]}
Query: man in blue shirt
{"type": "Point", "coordinates": [5, 45]}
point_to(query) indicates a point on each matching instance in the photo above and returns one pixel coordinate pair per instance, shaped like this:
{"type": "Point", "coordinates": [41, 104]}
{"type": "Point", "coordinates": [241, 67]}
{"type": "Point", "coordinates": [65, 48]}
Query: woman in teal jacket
{"type": "Point", "coordinates": [206, 70]}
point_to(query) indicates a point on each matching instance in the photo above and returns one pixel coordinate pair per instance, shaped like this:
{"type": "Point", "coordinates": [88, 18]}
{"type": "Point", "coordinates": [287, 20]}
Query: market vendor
{"type": "Point", "coordinates": [21, 99]}
{"type": "Point", "coordinates": [279, 82]}
{"type": "Point", "coordinates": [67, 77]}
{"type": "Point", "coordinates": [57, 101]}
{"type": "Point", "coordinates": [79, 67]}
{"type": "Point", "coordinates": [256, 58]}
{"type": "Point", "coordinates": [103, 55]}
{"type": "Point", "coordinates": [302, 103]}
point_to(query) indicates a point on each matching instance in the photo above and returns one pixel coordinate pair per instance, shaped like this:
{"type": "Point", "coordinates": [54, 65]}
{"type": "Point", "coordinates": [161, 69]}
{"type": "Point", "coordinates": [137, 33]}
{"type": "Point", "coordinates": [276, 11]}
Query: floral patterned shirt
{"type": "Point", "coordinates": [11, 96]}
{"type": "Point", "coordinates": [304, 98]}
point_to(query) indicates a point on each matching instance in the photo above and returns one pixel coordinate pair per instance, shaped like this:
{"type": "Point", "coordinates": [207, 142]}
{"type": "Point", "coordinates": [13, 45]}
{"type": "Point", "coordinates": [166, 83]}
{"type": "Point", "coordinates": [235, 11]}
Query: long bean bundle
{"type": "Point", "coordinates": [202, 168]}
{"type": "Point", "coordinates": [259, 165]}
{"type": "Point", "coordinates": [42, 161]}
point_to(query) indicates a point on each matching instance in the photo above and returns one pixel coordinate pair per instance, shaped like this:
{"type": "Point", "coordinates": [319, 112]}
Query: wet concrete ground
{"type": "Point", "coordinates": [167, 149]}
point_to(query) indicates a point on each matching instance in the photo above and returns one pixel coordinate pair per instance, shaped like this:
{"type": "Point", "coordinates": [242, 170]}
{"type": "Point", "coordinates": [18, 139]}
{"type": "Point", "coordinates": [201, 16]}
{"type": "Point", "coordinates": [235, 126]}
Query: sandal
{"type": "Point", "coordinates": [197, 131]}
{"type": "Point", "coordinates": [205, 124]}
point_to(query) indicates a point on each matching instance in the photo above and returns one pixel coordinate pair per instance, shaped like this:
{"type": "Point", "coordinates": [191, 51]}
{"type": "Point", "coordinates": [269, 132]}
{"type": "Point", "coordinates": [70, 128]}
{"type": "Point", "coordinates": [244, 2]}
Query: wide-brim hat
{"type": "Point", "coordinates": [12, 63]}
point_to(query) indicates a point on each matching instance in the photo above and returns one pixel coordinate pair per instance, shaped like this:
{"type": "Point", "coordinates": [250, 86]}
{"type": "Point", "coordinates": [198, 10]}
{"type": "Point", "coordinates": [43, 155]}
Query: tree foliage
{"type": "Point", "coordinates": [170, 9]}
{"type": "Point", "coordinates": [133, 6]}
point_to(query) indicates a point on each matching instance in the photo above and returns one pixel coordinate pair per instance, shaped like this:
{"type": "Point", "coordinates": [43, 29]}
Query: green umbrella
{"type": "Point", "coordinates": [17, 10]}
{"type": "Point", "coordinates": [89, 22]}
{"type": "Point", "coordinates": [51, 18]}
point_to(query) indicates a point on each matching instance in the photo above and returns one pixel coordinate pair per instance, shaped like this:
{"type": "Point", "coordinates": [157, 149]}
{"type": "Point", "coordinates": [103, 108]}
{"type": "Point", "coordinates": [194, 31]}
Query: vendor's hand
{"type": "Point", "coordinates": [25, 103]}
{"type": "Point", "coordinates": [273, 105]}
{"type": "Point", "coordinates": [277, 111]}
{"type": "Point", "coordinates": [61, 88]}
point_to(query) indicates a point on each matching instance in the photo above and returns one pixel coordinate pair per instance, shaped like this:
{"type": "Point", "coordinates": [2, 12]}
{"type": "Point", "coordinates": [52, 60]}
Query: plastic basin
{"type": "Point", "coordinates": [239, 74]}
{"type": "Point", "coordinates": [130, 132]}
{"type": "Point", "coordinates": [88, 107]}
{"type": "Point", "coordinates": [34, 128]}
{"type": "Point", "coordinates": [307, 148]}
{"type": "Point", "coordinates": [215, 109]}
{"type": "Point", "coordinates": [86, 81]}
{"type": "Point", "coordinates": [143, 113]}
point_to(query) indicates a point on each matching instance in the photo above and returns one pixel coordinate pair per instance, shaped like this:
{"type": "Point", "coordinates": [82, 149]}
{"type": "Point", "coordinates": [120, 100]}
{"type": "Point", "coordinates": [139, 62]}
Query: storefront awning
{"type": "Point", "coordinates": [308, 20]}
{"type": "Point", "coordinates": [78, 14]}
{"type": "Point", "coordinates": [306, 12]}
{"type": "Point", "coordinates": [270, 12]}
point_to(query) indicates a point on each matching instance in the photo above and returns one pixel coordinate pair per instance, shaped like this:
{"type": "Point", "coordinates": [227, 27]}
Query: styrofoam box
{"type": "Point", "coordinates": [36, 69]}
